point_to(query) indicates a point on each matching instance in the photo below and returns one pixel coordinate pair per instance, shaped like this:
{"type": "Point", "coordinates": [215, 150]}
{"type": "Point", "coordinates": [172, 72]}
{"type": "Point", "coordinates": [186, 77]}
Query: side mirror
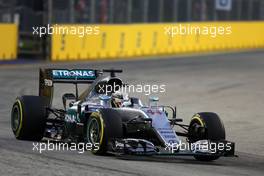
{"type": "Point", "coordinates": [153, 101]}
{"type": "Point", "coordinates": [105, 100]}
{"type": "Point", "coordinates": [170, 111]}
{"type": "Point", "coordinates": [67, 96]}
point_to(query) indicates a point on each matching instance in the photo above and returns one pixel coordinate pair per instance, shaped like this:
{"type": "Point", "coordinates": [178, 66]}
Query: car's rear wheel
{"type": "Point", "coordinates": [28, 118]}
{"type": "Point", "coordinates": [206, 126]}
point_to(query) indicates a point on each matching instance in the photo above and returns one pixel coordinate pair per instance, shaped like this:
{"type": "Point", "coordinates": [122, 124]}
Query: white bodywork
{"type": "Point", "coordinates": [162, 125]}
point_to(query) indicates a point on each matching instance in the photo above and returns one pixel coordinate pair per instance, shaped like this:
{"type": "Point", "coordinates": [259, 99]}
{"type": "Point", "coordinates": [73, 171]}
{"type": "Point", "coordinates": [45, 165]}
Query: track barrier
{"type": "Point", "coordinates": [8, 42]}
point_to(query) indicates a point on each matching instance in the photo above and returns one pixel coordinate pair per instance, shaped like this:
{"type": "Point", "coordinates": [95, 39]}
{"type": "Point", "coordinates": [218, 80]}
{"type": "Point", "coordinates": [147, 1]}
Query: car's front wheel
{"type": "Point", "coordinates": [206, 126]}
{"type": "Point", "coordinates": [95, 134]}
{"type": "Point", "coordinates": [100, 129]}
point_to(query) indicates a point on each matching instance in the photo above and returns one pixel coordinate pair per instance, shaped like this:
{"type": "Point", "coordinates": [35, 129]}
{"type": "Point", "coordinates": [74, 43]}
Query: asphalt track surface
{"type": "Point", "coordinates": [230, 84]}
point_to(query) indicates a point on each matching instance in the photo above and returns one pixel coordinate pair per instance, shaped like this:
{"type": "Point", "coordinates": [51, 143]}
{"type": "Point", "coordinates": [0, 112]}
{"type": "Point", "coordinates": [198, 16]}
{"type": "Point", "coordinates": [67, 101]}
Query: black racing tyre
{"type": "Point", "coordinates": [28, 118]}
{"type": "Point", "coordinates": [214, 130]}
{"type": "Point", "coordinates": [100, 129]}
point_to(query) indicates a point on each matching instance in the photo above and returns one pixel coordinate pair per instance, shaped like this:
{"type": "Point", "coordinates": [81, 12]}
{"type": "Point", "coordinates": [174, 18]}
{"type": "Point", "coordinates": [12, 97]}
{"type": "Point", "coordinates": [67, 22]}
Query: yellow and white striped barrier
{"type": "Point", "coordinates": [8, 42]}
{"type": "Point", "coordinates": [122, 41]}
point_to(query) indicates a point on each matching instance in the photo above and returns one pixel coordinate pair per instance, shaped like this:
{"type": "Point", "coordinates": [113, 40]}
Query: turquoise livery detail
{"type": "Point", "coordinates": [73, 74]}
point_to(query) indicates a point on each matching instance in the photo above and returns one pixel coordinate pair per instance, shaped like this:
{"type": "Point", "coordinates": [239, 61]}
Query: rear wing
{"type": "Point", "coordinates": [47, 78]}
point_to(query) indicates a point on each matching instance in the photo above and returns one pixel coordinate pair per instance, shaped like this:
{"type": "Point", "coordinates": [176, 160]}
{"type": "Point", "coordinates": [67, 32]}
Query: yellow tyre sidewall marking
{"type": "Point", "coordinates": [198, 118]}
{"type": "Point", "coordinates": [99, 117]}
{"type": "Point", "coordinates": [21, 117]}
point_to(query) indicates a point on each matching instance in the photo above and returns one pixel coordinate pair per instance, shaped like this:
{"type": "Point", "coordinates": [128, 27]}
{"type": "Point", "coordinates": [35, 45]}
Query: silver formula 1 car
{"type": "Point", "coordinates": [112, 121]}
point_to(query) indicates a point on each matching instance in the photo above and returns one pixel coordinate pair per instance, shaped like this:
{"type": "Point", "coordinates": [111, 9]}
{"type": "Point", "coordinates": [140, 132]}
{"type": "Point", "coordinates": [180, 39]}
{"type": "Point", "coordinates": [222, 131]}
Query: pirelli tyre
{"type": "Point", "coordinates": [28, 118]}
{"type": "Point", "coordinates": [206, 125]}
{"type": "Point", "coordinates": [100, 129]}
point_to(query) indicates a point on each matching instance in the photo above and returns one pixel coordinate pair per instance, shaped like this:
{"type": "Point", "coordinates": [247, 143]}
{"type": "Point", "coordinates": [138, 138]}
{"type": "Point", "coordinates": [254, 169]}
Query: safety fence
{"type": "Point", "coordinates": [132, 40]}
{"type": "Point", "coordinates": [8, 42]}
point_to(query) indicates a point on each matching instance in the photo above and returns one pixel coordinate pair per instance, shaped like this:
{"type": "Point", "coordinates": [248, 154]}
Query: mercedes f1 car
{"type": "Point", "coordinates": [113, 121]}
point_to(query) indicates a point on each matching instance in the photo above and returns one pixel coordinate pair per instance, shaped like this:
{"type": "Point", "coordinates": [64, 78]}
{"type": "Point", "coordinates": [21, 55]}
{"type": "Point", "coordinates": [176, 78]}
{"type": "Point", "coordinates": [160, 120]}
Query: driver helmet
{"type": "Point", "coordinates": [119, 98]}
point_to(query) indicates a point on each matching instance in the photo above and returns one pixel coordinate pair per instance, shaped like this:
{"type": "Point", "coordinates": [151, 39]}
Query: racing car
{"type": "Point", "coordinates": [113, 121]}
